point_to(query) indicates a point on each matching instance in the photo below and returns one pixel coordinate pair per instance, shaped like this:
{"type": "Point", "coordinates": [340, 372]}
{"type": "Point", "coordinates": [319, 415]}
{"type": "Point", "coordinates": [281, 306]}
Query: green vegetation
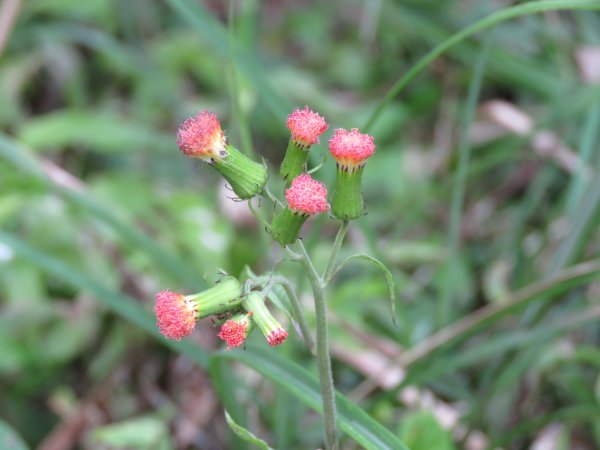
{"type": "Point", "coordinates": [483, 200]}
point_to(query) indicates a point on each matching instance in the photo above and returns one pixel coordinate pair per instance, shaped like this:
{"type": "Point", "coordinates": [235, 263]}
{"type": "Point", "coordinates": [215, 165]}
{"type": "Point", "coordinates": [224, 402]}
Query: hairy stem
{"type": "Point", "coordinates": [323, 357]}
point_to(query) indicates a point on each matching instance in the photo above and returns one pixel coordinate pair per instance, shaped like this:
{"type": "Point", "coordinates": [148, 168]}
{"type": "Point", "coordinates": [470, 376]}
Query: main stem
{"type": "Point", "coordinates": [323, 357]}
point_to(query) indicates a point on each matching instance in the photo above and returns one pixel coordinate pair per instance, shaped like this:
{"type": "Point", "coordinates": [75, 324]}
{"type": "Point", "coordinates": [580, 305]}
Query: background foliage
{"type": "Point", "coordinates": [483, 200]}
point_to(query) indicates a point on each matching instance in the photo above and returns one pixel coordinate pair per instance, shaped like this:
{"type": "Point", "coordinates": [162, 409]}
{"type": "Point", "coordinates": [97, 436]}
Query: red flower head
{"type": "Point", "coordinates": [306, 126]}
{"type": "Point", "coordinates": [175, 315]}
{"type": "Point", "coordinates": [201, 137]}
{"type": "Point", "coordinates": [351, 148]}
{"type": "Point", "coordinates": [277, 337]}
{"type": "Point", "coordinates": [235, 331]}
{"type": "Point", "coordinates": [307, 196]}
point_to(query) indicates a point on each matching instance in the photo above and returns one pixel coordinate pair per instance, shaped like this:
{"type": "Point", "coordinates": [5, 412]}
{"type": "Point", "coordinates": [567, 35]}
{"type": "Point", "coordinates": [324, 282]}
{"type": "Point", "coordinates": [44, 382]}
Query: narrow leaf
{"type": "Point", "coordinates": [369, 433]}
{"type": "Point", "coordinates": [487, 22]}
{"type": "Point", "coordinates": [389, 279]}
{"type": "Point", "coordinates": [299, 382]}
{"type": "Point", "coordinates": [245, 435]}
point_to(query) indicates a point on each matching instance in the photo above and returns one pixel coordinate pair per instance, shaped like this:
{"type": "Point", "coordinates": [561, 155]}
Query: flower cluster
{"type": "Point", "coordinates": [176, 314]}
{"type": "Point", "coordinates": [238, 311]}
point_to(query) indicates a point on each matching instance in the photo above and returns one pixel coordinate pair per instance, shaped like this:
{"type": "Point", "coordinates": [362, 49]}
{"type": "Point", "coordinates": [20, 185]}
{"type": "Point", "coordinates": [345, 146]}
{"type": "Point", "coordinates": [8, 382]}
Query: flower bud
{"type": "Point", "coordinates": [305, 197]}
{"type": "Point", "coordinates": [350, 149]}
{"type": "Point", "coordinates": [201, 137]}
{"type": "Point", "coordinates": [305, 126]}
{"type": "Point", "coordinates": [236, 329]}
{"type": "Point", "coordinates": [254, 303]}
{"type": "Point", "coordinates": [177, 314]}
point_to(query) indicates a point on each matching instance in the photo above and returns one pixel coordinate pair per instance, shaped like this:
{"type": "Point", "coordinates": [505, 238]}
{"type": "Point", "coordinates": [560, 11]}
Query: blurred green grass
{"type": "Point", "coordinates": [99, 211]}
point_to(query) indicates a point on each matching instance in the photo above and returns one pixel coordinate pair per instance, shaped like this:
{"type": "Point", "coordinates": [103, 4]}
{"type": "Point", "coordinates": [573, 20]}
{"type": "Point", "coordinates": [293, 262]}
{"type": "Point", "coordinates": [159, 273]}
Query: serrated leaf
{"type": "Point", "coordinates": [389, 279]}
{"type": "Point", "coordinates": [246, 435]}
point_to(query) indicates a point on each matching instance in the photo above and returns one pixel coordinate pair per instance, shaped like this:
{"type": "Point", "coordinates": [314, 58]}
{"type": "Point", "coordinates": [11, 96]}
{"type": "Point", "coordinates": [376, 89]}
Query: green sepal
{"type": "Point", "coordinates": [294, 161]}
{"type": "Point", "coordinates": [247, 178]}
{"type": "Point", "coordinates": [347, 200]}
{"type": "Point", "coordinates": [286, 226]}
{"type": "Point", "coordinates": [222, 297]}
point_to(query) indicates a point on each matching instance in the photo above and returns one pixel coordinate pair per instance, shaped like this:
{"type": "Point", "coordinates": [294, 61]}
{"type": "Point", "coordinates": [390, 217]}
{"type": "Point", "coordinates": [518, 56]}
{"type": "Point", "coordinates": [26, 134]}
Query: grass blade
{"type": "Point", "coordinates": [121, 304]}
{"type": "Point", "coordinates": [305, 387]}
{"type": "Point", "coordinates": [458, 192]}
{"type": "Point", "coordinates": [487, 22]}
{"type": "Point", "coordinates": [21, 158]}
{"type": "Point", "coordinates": [215, 34]}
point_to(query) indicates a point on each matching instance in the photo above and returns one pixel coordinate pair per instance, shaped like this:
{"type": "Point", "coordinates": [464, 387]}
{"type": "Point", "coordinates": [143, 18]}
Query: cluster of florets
{"type": "Point", "coordinates": [202, 137]}
{"type": "Point", "coordinates": [306, 126]}
{"type": "Point", "coordinates": [176, 314]}
{"type": "Point", "coordinates": [351, 148]}
{"type": "Point", "coordinates": [307, 196]}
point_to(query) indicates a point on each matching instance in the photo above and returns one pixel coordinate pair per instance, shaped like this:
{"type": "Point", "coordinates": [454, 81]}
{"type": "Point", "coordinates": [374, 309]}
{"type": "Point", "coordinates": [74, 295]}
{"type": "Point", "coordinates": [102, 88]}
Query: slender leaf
{"type": "Point", "coordinates": [24, 160]}
{"type": "Point", "coordinates": [215, 34]}
{"type": "Point", "coordinates": [487, 22]}
{"type": "Point", "coordinates": [292, 377]}
{"type": "Point", "coordinates": [389, 279]}
{"type": "Point", "coordinates": [305, 387]}
{"type": "Point", "coordinates": [458, 192]}
{"type": "Point", "coordinates": [437, 365]}
{"type": "Point", "coordinates": [484, 317]}
{"type": "Point", "coordinates": [121, 304]}
{"type": "Point", "coordinates": [245, 434]}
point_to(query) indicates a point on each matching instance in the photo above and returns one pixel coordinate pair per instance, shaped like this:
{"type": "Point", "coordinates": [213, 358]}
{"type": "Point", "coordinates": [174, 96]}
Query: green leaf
{"type": "Point", "coordinates": [484, 317]}
{"type": "Point", "coordinates": [102, 131]}
{"type": "Point", "coordinates": [437, 365]}
{"type": "Point", "coordinates": [9, 439]}
{"type": "Point", "coordinates": [245, 434]}
{"type": "Point", "coordinates": [369, 433]}
{"type": "Point", "coordinates": [487, 22]}
{"type": "Point", "coordinates": [143, 433]}
{"type": "Point", "coordinates": [299, 382]}
{"type": "Point", "coordinates": [421, 431]}
{"type": "Point", "coordinates": [215, 34]}
{"type": "Point", "coordinates": [75, 193]}
{"type": "Point", "coordinates": [389, 279]}
{"type": "Point", "coordinates": [122, 304]}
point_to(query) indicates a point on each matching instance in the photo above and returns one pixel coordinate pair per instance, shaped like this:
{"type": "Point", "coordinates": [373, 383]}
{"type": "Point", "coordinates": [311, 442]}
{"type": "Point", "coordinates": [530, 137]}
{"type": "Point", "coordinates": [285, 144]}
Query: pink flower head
{"type": "Point", "coordinates": [351, 148]}
{"type": "Point", "coordinates": [175, 315]}
{"type": "Point", "coordinates": [201, 137]}
{"type": "Point", "coordinates": [234, 332]}
{"type": "Point", "coordinates": [306, 126]}
{"type": "Point", "coordinates": [307, 196]}
{"type": "Point", "coordinates": [277, 337]}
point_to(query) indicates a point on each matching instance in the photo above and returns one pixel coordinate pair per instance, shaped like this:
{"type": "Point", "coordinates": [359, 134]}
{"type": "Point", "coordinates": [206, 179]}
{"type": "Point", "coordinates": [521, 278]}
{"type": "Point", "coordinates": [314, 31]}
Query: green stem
{"type": "Point", "coordinates": [337, 244]}
{"type": "Point", "coordinates": [323, 357]}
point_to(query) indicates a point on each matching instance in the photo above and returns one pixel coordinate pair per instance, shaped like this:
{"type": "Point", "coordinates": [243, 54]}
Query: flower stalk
{"type": "Point", "coordinates": [323, 356]}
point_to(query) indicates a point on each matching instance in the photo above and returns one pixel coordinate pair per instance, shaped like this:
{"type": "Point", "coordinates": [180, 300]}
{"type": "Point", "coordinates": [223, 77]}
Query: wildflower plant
{"type": "Point", "coordinates": [239, 306]}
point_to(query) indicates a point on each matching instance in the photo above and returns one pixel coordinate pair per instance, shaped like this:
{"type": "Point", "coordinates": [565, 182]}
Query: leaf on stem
{"type": "Point", "coordinates": [245, 435]}
{"type": "Point", "coordinates": [389, 279]}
